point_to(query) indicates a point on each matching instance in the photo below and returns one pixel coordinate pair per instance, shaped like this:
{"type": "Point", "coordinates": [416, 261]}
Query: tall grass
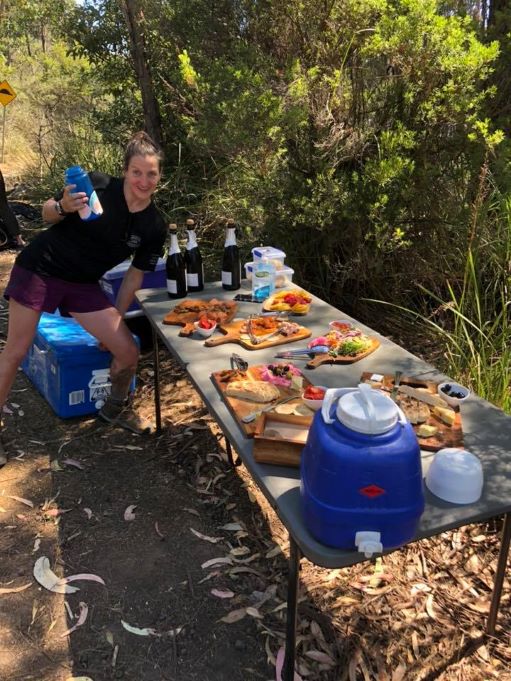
{"type": "Point", "coordinates": [473, 321]}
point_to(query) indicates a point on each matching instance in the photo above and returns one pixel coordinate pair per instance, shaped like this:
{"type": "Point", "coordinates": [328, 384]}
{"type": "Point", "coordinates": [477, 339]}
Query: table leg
{"type": "Point", "coordinates": [292, 607]}
{"type": "Point", "coordinates": [230, 458]}
{"type": "Point", "coordinates": [499, 575]}
{"type": "Point", "coordinates": [156, 361]}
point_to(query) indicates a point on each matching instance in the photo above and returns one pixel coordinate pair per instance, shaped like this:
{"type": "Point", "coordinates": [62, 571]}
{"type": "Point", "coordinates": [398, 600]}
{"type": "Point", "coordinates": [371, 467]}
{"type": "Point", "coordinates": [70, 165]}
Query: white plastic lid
{"type": "Point", "coordinates": [367, 411]}
{"type": "Point", "coordinates": [455, 475]}
{"type": "Point", "coordinates": [268, 252]}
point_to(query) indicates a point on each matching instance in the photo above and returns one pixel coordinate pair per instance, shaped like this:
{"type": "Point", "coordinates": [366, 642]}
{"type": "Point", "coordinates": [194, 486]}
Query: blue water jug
{"type": "Point", "coordinates": [361, 476]}
{"type": "Point", "coordinates": [76, 175]}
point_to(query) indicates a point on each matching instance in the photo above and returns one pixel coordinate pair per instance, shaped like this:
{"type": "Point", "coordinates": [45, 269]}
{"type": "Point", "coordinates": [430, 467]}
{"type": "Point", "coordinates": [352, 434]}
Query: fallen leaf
{"type": "Point", "coordinates": [217, 561]}
{"type": "Point", "coordinates": [47, 578]}
{"type": "Point", "coordinates": [157, 530]}
{"type": "Point", "coordinates": [147, 631]}
{"type": "Point", "coordinates": [84, 611]}
{"type": "Point", "coordinates": [399, 673]}
{"type": "Point", "coordinates": [37, 544]}
{"type": "Point", "coordinates": [27, 502]}
{"type": "Point", "coordinates": [55, 466]}
{"type": "Point", "coordinates": [192, 511]}
{"type": "Point", "coordinates": [254, 612]}
{"type": "Point", "coordinates": [280, 664]}
{"type": "Point", "coordinates": [6, 409]}
{"type": "Point", "coordinates": [14, 589]}
{"type": "Point", "coordinates": [88, 513]}
{"type": "Point", "coordinates": [219, 593]}
{"type": "Point", "coordinates": [109, 637]}
{"type": "Point", "coordinates": [273, 552]}
{"type": "Point", "coordinates": [231, 527]}
{"type": "Point", "coordinates": [55, 512]}
{"type": "Point", "coordinates": [128, 513]}
{"type": "Point", "coordinates": [114, 656]}
{"type": "Point", "coordinates": [75, 463]}
{"type": "Point", "coordinates": [319, 656]}
{"type": "Point", "coordinates": [211, 540]}
{"type": "Point", "coordinates": [86, 576]}
{"type": "Point", "coordinates": [429, 607]}
{"type": "Point", "coordinates": [234, 616]}
{"type": "Point", "coordinates": [79, 678]}
{"type": "Point", "coordinates": [239, 551]}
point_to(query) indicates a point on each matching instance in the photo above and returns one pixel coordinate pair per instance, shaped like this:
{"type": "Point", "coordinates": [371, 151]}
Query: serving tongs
{"type": "Point", "coordinates": [257, 340]}
{"type": "Point", "coordinates": [303, 353]}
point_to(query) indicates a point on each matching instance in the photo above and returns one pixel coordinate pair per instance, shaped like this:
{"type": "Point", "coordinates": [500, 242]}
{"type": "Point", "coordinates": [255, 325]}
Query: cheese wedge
{"type": "Point", "coordinates": [422, 395]}
{"type": "Point", "coordinates": [426, 431]}
{"type": "Point", "coordinates": [445, 415]}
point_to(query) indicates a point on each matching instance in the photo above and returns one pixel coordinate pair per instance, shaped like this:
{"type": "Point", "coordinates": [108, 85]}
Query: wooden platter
{"type": "Point", "coordinates": [240, 408]}
{"type": "Point", "coordinates": [342, 359]}
{"type": "Point", "coordinates": [280, 438]}
{"type": "Point", "coordinates": [276, 303]}
{"type": "Point", "coordinates": [190, 310]}
{"type": "Point", "coordinates": [446, 436]}
{"type": "Point", "coordinates": [232, 334]}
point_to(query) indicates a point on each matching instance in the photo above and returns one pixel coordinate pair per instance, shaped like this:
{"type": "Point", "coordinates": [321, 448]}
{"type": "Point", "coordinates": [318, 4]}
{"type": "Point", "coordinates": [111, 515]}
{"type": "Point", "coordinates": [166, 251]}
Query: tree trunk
{"type": "Point", "coordinates": [134, 17]}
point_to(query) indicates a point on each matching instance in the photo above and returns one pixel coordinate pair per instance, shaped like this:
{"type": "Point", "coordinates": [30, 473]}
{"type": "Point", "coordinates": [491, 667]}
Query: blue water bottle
{"type": "Point", "coordinates": [76, 175]}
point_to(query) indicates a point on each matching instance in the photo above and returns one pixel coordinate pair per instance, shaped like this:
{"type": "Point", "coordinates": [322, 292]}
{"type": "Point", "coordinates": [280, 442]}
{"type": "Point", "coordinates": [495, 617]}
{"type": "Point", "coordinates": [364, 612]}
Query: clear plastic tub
{"type": "Point", "coordinates": [275, 255]}
{"type": "Point", "coordinates": [283, 276]}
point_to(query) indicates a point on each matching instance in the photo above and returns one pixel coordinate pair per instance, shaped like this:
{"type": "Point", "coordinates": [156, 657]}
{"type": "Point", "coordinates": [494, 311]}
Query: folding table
{"type": "Point", "coordinates": [486, 430]}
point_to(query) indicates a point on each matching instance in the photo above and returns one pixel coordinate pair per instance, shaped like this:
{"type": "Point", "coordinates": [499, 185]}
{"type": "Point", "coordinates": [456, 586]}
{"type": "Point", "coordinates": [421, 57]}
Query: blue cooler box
{"type": "Point", "coordinates": [67, 367]}
{"type": "Point", "coordinates": [111, 281]}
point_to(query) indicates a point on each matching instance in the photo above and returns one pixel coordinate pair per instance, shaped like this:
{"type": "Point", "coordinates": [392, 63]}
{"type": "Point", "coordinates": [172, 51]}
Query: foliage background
{"type": "Point", "coordinates": [369, 139]}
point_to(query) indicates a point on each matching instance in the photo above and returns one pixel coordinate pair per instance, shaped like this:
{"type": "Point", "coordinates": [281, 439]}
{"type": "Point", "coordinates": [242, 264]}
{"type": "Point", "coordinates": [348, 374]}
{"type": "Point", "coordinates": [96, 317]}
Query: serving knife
{"type": "Point", "coordinates": [254, 414]}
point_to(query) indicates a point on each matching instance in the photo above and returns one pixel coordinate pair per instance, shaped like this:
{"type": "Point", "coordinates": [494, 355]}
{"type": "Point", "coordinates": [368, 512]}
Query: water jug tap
{"type": "Point", "coordinates": [368, 542]}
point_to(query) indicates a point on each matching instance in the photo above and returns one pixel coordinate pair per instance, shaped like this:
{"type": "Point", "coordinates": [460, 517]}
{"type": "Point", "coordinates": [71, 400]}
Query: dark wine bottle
{"type": "Point", "coordinates": [231, 266]}
{"type": "Point", "coordinates": [193, 260]}
{"type": "Point", "coordinates": [176, 269]}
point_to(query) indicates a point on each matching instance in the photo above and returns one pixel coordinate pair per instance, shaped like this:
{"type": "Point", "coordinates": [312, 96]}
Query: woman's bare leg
{"type": "Point", "coordinates": [21, 330]}
{"type": "Point", "coordinates": [110, 330]}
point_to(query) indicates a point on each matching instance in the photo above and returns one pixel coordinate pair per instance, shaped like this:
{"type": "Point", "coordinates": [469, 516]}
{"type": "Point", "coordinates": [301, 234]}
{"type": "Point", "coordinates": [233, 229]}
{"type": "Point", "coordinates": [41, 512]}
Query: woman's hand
{"type": "Point", "coordinates": [71, 202]}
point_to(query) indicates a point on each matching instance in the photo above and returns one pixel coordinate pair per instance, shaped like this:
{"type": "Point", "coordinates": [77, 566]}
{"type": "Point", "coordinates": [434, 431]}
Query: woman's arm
{"type": "Point", "coordinates": [55, 211]}
{"type": "Point", "coordinates": [131, 282]}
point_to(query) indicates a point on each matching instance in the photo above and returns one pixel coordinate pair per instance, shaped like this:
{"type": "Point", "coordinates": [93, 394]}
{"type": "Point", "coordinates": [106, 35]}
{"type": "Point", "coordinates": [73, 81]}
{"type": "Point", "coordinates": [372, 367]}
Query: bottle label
{"type": "Point", "coordinates": [227, 278]}
{"type": "Point", "coordinates": [192, 279]}
{"type": "Point", "coordinates": [172, 286]}
{"type": "Point", "coordinates": [92, 210]}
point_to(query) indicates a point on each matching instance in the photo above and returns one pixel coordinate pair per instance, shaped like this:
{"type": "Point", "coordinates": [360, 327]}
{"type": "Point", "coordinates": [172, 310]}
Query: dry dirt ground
{"type": "Point", "coordinates": [417, 614]}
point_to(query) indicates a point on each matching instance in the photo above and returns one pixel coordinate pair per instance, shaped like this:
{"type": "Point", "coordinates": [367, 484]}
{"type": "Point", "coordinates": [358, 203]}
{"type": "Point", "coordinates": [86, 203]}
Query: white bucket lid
{"type": "Point", "coordinates": [367, 411]}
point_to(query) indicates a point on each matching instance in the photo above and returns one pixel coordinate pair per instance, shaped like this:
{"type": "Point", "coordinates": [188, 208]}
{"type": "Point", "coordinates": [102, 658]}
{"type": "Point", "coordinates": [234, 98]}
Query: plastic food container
{"type": "Point", "coordinates": [283, 275]}
{"type": "Point", "coordinates": [270, 253]}
{"type": "Point", "coordinates": [455, 475]}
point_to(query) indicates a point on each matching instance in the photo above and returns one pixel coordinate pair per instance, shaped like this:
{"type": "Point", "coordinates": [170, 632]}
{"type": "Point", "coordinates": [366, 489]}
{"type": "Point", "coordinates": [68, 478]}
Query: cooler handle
{"type": "Point", "coordinates": [331, 395]}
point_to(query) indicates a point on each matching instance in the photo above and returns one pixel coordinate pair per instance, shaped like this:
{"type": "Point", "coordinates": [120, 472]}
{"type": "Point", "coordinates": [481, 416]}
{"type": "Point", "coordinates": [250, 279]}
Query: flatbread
{"type": "Point", "coordinates": [253, 391]}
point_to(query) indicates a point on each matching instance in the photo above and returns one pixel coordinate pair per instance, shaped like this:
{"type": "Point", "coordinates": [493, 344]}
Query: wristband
{"type": "Point", "coordinates": [60, 210]}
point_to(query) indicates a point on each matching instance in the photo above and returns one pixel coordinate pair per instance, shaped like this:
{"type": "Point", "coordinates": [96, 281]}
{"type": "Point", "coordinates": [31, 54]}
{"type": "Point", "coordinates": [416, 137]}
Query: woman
{"type": "Point", "coordinates": [60, 269]}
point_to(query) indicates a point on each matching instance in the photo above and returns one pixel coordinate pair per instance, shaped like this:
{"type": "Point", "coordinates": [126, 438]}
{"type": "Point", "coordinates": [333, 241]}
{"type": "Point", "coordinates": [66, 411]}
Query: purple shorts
{"type": "Point", "coordinates": [46, 294]}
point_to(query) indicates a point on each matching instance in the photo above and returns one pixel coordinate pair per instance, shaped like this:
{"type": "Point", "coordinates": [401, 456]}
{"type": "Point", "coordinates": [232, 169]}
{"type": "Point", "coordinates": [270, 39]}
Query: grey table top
{"type": "Point", "coordinates": [486, 429]}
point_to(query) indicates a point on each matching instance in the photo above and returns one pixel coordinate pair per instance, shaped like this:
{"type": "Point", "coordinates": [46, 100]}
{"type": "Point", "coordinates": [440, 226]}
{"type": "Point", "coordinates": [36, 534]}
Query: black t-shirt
{"type": "Point", "coordinates": [79, 251]}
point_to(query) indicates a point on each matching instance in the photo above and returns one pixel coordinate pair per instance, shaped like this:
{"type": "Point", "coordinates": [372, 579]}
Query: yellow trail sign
{"type": "Point", "coordinates": [7, 93]}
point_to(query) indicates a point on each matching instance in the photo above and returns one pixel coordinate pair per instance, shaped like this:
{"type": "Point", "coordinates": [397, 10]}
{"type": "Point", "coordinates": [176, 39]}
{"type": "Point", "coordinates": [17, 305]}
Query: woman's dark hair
{"type": "Point", "coordinates": [142, 145]}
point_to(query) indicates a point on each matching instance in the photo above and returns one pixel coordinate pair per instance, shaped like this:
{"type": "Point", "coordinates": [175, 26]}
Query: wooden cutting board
{"type": "Point", "coordinates": [232, 334]}
{"type": "Point", "coordinates": [187, 319]}
{"type": "Point", "coordinates": [328, 359]}
{"type": "Point", "coordinates": [446, 436]}
{"type": "Point", "coordinates": [271, 447]}
{"type": "Point", "coordinates": [240, 408]}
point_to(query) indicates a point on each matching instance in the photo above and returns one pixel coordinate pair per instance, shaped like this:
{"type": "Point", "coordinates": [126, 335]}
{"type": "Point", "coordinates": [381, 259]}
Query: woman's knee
{"type": "Point", "coordinates": [127, 355]}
